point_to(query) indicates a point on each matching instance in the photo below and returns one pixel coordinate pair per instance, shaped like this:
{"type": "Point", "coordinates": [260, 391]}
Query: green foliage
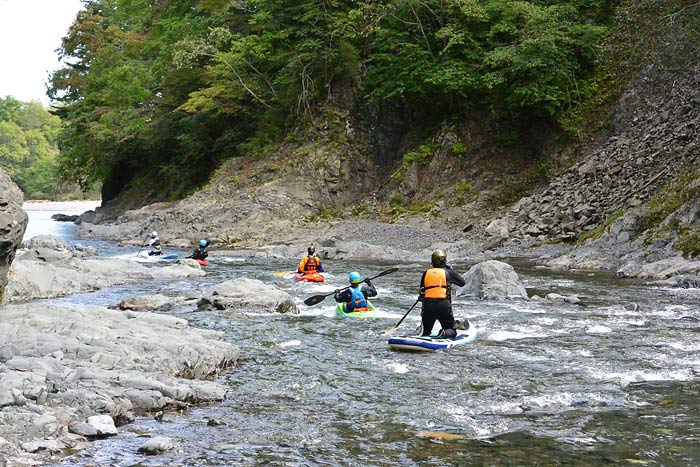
{"type": "Point", "coordinates": [186, 85]}
{"type": "Point", "coordinates": [513, 186]}
{"type": "Point", "coordinates": [28, 147]}
{"type": "Point", "coordinates": [598, 231]}
{"type": "Point", "coordinates": [683, 189]}
{"type": "Point", "coordinates": [458, 149]}
{"type": "Point", "coordinates": [421, 157]}
{"type": "Point", "coordinates": [689, 243]}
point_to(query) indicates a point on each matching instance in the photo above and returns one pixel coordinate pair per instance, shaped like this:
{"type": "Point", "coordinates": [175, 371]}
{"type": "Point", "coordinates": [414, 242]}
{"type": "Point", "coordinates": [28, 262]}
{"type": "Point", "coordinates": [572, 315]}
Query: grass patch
{"type": "Point", "coordinates": [598, 231]}
{"type": "Point", "coordinates": [689, 242]}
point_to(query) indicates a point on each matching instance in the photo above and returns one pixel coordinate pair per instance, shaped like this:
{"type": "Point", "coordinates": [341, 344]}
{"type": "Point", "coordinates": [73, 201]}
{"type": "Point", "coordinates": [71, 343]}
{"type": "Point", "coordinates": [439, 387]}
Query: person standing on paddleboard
{"type": "Point", "coordinates": [436, 295]}
{"type": "Point", "coordinates": [355, 298]}
{"type": "Point", "coordinates": [310, 263]}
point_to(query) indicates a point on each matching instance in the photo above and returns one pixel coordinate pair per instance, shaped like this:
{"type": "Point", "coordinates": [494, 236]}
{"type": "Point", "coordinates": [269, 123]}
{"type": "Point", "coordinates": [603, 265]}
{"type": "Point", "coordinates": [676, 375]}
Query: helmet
{"type": "Point", "coordinates": [153, 234]}
{"type": "Point", "coordinates": [311, 250]}
{"type": "Point", "coordinates": [355, 277]}
{"type": "Point", "coordinates": [203, 243]}
{"type": "Point", "coordinates": [439, 258]}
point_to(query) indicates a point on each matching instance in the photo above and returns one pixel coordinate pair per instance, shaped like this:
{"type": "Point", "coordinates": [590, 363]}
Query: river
{"type": "Point", "coordinates": [614, 382]}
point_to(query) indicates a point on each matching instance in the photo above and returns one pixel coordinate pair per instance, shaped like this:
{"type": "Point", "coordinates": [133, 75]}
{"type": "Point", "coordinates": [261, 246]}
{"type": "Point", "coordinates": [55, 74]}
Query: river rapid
{"type": "Point", "coordinates": [615, 382]}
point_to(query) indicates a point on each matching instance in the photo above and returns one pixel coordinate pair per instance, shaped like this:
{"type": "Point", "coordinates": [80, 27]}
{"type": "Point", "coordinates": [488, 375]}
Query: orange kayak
{"type": "Point", "coordinates": [310, 277]}
{"type": "Point", "coordinates": [202, 262]}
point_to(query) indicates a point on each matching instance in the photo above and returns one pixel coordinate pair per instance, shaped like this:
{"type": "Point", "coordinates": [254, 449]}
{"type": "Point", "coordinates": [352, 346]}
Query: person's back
{"type": "Point", "coordinates": [436, 295]}
{"type": "Point", "coordinates": [201, 252]}
{"type": "Point", "coordinates": [355, 297]}
{"type": "Point", "coordinates": [310, 263]}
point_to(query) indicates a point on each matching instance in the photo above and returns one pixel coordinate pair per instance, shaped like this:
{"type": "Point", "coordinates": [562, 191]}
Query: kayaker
{"type": "Point", "coordinates": [201, 252]}
{"type": "Point", "coordinates": [355, 297]}
{"type": "Point", "coordinates": [154, 244]}
{"type": "Point", "coordinates": [310, 263]}
{"type": "Point", "coordinates": [436, 295]}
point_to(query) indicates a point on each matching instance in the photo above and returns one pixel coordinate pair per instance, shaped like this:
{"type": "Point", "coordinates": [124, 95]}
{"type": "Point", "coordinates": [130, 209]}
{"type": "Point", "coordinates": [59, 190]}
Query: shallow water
{"type": "Point", "coordinates": [612, 382]}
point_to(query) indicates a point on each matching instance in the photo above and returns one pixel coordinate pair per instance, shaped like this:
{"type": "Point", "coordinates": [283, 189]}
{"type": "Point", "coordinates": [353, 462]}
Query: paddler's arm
{"type": "Point", "coordinates": [454, 278]}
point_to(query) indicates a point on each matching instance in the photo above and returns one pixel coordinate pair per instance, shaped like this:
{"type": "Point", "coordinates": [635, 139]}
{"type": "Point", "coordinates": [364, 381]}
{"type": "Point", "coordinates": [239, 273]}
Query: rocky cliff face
{"type": "Point", "coordinates": [13, 222]}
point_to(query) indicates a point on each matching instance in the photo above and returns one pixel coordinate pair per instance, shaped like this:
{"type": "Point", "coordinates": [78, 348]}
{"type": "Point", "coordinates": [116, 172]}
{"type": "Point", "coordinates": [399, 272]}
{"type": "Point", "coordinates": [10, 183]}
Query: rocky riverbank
{"type": "Point", "coordinates": [74, 374]}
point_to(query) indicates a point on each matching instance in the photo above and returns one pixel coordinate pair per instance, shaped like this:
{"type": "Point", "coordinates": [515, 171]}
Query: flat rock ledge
{"type": "Point", "coordinates": [68, 375]}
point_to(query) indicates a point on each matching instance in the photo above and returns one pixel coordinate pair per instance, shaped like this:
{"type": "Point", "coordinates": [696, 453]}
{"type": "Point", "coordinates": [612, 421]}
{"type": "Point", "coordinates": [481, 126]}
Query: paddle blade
{"type": "Point", "coordinates": [281, 274]}
{"type": "Point", "coordinates": [388, 271]}
{"type": "Point", "coordinates": [314, 299]}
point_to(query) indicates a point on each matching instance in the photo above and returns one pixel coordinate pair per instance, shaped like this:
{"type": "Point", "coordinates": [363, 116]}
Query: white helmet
{"type": "Point", "coordinates": [153, 234]}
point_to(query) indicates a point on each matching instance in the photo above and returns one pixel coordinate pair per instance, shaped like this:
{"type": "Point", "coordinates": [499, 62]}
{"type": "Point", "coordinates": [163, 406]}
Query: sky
{"type": "Point", "coordinates": [30, 33]}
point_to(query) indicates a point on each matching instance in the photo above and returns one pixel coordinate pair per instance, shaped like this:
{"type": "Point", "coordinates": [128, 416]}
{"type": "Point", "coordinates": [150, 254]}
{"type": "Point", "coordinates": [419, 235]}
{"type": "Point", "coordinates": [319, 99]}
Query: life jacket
{"type": "Point", "coordinates": [155, 245]}
{"type": "Point", "coordinates": [357, 302]}
{"type": "Point", "coordinates": [200, 253]}
{"type": "Point", "coordinates": [312, 263]}
{"type": "Point", "coordinates": [435, 284]}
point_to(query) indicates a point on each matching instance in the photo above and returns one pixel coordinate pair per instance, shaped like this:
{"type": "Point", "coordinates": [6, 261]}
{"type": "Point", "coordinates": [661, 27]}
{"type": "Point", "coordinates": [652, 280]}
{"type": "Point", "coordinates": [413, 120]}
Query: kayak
{"type": "Point", "coordinates": [310, 277]}
{"type": "Point", "coordinates": [433, 342]}
{"type": "Point", "coordinates": [202, 262]}
{"type": "Point", "coordinates": [372, 312]}
{"type": "Point", "coordinates": [170, 256]}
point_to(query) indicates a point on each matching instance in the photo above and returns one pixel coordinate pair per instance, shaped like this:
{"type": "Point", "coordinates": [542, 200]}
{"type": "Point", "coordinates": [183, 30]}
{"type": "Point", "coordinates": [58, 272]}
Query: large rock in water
{"type": "Point", "coordinates": [13, 222]}
{"type": "Point", "coordinates": [248, 295]}
{"type": "Point", "coordinates": [493, 280]}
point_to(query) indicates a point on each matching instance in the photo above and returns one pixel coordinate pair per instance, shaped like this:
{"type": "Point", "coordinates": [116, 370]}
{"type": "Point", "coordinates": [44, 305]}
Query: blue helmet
{"type": "Point", "coordinates": [202, 243]}
{"type": "Point", "coordinates": [355, 277]}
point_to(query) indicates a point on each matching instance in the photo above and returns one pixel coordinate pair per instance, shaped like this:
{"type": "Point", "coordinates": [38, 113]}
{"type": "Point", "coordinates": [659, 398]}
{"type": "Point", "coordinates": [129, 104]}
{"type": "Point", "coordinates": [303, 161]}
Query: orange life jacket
{"type": "Point", "coordinates": [435, 283]}
{"type": "Point", "coordinates": [311, 264]}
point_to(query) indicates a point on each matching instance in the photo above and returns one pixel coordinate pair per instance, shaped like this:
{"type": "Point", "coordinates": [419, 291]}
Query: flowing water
{"type": "Point", "coordinates": [614, 382]}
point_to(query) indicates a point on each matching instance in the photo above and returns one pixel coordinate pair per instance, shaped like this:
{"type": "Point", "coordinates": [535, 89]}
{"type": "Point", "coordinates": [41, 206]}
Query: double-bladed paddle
{"type": "Point", "coordinates": [314, 299]}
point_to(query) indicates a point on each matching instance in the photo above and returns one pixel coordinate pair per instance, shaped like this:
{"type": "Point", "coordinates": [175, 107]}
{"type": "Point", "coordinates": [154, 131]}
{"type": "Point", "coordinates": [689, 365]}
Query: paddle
{"type": "Point", "coordinates": [285, 273]}
{"type": "Point", "coordinates": [143, 245]}
{"type": "Point", "coordinates": [314, 299]}
{"type": "Point", "coordinates": [401, 320]}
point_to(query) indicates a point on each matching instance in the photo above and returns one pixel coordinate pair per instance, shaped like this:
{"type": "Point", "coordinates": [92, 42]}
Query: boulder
{"type": "Point", "coordinates": [13, 222]}
{"type": "Point", "coordinates": [147, 302]}
{"type": "Point", "coordinates": [493, 280]}
{"type": "Point", "coordinates": [247, 294]}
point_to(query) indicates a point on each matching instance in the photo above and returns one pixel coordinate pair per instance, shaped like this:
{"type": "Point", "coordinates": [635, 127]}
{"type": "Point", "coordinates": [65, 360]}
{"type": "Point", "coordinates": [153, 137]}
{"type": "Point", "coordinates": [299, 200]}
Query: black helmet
{"type": "Point", "coordinates": [439, 258]}
{"type": "Point", "coordinates": [311, 250]}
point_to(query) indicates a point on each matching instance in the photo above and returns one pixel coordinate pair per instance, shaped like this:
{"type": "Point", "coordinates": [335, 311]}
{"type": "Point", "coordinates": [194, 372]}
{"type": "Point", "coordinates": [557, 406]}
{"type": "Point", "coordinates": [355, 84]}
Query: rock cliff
{"type": "Point", "coordinates": [13, 222]}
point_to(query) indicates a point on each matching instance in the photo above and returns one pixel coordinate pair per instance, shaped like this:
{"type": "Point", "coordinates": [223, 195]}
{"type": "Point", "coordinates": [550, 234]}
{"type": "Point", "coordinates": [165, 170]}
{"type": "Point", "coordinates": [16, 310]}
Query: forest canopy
{"type": "Point", "coordinates": [171, 88]}
{"type": "Point", "coordinates": [28, 147]}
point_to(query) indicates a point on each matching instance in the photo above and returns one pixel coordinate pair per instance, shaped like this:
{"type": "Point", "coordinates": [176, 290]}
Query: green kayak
{"type": "Point", "coordinates": [371, 313]}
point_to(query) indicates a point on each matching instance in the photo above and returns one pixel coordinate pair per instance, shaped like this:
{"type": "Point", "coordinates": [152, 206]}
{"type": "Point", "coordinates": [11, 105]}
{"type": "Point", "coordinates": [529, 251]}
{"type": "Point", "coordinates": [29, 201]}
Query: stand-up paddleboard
{"type": "Point", "coordinates": [433, 342]}
{"type": "Point", "coordinates": [310, 277]}
{"type": "Point", "coordinates": [371, 312]}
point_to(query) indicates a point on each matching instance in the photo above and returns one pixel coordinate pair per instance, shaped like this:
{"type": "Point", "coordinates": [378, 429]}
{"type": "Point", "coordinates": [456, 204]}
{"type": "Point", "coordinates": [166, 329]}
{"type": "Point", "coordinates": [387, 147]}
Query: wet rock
{"type": "Point", "coordinates": [247, 294]}
{"type": "Point", "coordinates": [572, 299]}
{"type": "Point", "coordinates": [65, 217]}
{"type": "Point", "coordinates": [147, 302]}
{"type": "Point", "coordinates": [158, 445]}
{"type": "Point", "coordinates": [36, 278]}
{"type": "Point", "coordinates": [493, 280]}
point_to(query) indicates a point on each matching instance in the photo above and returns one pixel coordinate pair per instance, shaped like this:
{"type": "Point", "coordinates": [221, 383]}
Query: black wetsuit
{"type": "Point", "coordinates": [200, 253]}
{"type": "Point", "coordinates": [440, 309]}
